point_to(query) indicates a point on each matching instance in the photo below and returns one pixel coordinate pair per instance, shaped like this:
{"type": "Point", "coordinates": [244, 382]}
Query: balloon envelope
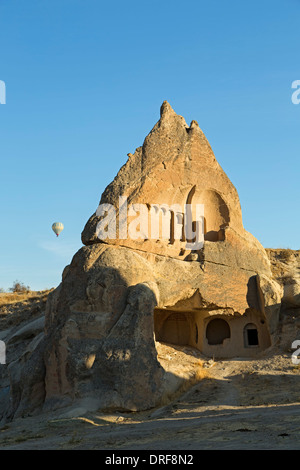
{"type": "Point", "coordinates": [57, 227]}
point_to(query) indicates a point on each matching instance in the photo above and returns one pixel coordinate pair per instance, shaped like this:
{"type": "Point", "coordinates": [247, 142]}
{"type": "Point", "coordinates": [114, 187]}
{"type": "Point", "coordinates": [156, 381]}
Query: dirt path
{"type": "Point", "coordinates": [272, 427]}
{"type": "Point", "coordinates": [242, 404]}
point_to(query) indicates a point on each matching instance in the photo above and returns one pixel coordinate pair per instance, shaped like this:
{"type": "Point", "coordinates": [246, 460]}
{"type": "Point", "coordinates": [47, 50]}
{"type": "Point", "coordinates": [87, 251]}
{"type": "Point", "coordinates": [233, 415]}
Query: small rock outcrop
{"type": "Point", "coordinates": [122, 295]}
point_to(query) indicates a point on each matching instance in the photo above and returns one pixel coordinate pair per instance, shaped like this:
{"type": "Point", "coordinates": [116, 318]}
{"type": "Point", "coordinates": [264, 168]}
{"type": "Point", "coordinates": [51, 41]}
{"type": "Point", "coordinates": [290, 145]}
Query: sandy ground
{"type": "Point", "coordinates": [236, 404]}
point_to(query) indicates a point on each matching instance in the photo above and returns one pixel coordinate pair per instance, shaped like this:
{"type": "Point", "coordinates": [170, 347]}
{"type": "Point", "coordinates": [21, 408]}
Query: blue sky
{"type": "Point", "coordinates": [84, 83]}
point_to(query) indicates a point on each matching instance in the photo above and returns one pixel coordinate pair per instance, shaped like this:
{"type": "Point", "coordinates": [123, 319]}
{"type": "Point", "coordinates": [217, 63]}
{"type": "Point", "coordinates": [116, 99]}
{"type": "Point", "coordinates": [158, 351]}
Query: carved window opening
{"type": "Point", "coordinates": [250, 336]}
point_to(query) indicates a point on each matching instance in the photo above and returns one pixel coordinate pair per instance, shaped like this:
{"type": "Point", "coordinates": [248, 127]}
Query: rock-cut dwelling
{"type": "Point", "coordinates": [120, 296]}
{"type": "Point", "coordinates": [220, 307]}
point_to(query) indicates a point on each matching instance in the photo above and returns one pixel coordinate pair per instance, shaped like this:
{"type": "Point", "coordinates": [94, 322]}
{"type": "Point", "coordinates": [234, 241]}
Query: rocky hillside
{"type": "Point", "coordinates": [22, 319]}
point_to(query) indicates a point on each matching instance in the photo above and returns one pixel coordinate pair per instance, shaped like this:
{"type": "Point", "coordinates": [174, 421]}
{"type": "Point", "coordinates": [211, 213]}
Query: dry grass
{"type": "Point", "coordinates": [7, 298]}
{"type": "Point", "coordinates": [286, 254]}
{"type": "Point", "coordinates": [14, 297]}
{"type": "Point", "coordinates": [17, 307]}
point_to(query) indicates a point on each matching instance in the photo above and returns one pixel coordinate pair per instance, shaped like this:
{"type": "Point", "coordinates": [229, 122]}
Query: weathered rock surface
{"type": "Point", "coordinates": [176, 165]}
{"type": "Point", "coordinates": [285, 266]}
{"type": "Point", "coordinates": [119, 298]}
{"type": "Point", "coordinates": [22, 329]}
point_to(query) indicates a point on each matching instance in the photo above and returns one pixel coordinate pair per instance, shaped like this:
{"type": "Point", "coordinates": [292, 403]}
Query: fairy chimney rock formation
{"type": "Point", "coordinates": [176, 167]}
{"type": "Point", "coordinates": [122, 295]}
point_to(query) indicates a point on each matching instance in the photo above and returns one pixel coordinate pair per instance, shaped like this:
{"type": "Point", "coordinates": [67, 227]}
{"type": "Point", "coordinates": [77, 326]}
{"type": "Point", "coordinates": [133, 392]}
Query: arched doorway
{"type": "Point", "coordinates": [216, 212]}
{"type": "Point", "coordinates": [217, 330]}
{"type": "Point", "coordinates": [175, 329]}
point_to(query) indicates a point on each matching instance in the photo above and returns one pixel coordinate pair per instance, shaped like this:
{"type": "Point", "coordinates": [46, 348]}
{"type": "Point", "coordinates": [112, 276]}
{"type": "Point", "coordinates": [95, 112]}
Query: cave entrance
{"type": "Point", "coordinates": [175, 329]}
{"type": "Point", "coordinates": [217, 331]}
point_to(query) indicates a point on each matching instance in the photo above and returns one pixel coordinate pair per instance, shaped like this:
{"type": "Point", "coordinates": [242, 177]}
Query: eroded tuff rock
{"type": "Point", "coordinates": [176, 166]}
{"type": "Point", "coordinates": [285, 265]}
{"type": "Point", "coordinates": [118, 298]}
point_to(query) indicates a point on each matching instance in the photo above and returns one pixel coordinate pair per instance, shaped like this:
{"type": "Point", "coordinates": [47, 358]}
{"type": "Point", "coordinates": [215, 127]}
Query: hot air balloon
{"type": "Point", "coordinates": [57, 227]}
